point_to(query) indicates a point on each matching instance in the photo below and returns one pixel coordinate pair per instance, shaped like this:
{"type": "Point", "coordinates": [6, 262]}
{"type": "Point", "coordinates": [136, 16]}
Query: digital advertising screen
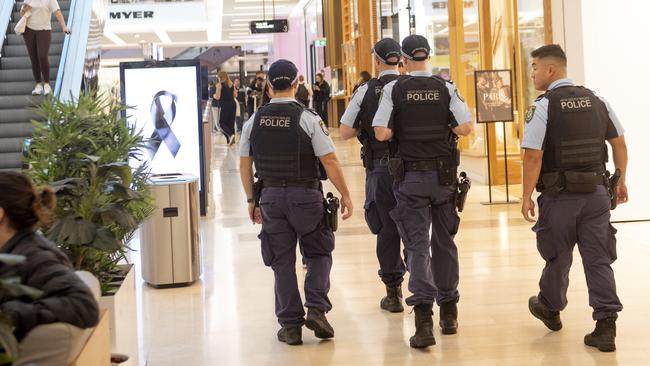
{"type": "Point", "coordinates": [163, 100]}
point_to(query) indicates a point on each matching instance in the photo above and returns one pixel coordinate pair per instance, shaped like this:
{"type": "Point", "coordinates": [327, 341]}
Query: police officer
{"type": "Point", "coordinates": [424, 114]}
{"type": "Point", "coordinates": [288, 143]}
{"type": "Point", "coordinates": [565, 156]}
{"type": "Point", "coordinates": [380, 200]}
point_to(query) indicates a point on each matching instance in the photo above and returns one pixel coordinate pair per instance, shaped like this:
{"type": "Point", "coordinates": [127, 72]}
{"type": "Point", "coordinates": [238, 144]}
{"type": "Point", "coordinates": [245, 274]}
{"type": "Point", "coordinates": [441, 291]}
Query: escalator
{"type": "Point", "coordinates": [16, 80]}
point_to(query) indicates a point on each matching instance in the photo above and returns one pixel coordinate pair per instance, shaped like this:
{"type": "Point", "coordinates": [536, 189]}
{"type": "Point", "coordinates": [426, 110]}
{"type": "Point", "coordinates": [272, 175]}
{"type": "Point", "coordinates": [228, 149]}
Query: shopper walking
{"type": "Point", "coordinates": [321, 97]}
{"type": "Point", "coordinates": [380, 198]}
{"type": "Point", "coordinates": [564, 156]}
{"type": "Point", "coordinates": [291, 201]}
{"type": "Point", "coordinates": [65, 297]}
{"type": "Point", "coordinates": [225, 95]}
{"type": "Point", "coordinates": [425, 114]}
{"type": "Point", "coordinates": [38, 37]}
{"type": "Point", "coordinates": [304, 92]}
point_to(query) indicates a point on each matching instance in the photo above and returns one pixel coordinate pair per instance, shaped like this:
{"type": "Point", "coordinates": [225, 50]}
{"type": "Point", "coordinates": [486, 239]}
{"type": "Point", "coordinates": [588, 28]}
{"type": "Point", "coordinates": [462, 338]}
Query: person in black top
{"type": "Point", "coordinates": [225, 95]}
{"type": "Point", "coordinates": [321, 96]}
{"type": "Point", "coordinates": [65, 297]}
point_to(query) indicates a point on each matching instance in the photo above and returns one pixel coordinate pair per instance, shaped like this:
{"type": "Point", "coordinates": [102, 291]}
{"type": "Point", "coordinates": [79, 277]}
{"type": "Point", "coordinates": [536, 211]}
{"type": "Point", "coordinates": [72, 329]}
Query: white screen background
{"type": "Point", "coordinates": [140, 87]}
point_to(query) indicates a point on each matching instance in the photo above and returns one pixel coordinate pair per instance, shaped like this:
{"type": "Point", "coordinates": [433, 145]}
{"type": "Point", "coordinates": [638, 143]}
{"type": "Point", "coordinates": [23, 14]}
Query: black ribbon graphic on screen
{"type": "Point", "coordinates": [163, 119]}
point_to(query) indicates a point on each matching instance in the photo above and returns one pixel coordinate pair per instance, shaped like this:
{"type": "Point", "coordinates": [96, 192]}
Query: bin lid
{"type": "Point", "coordinates": [169, 179]}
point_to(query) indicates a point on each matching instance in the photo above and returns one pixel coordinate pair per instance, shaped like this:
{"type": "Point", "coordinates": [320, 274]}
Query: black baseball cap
{"type": "Point", "coordinates": [414, 44]}
{"type": "Point", "coordinates": [282, 74]}
{"type": "Point", "coordinates": [387, 48]}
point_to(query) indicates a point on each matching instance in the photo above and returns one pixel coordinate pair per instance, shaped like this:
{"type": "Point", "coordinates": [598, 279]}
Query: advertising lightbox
{"type": "Point", "coordinates": [163, 100]}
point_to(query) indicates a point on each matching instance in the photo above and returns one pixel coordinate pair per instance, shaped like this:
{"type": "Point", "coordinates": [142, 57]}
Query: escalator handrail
{"type": "Point", "coordinates": [64, 51]}
{"type": "Point", "coordinates": [5, 18]}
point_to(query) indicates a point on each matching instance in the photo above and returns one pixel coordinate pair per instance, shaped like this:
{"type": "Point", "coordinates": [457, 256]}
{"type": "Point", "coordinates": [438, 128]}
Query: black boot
{"type": "Point", "coordinates": [393, 300]}
{"type": "Point", "coordinates": [603, 336]}
{"type": "Point", "coordinates": [423, 327]}
{"type": "Point", "coordinates": [550, 318]}
{"type": "Point", "coordinates": [290, 335]}
{"type": "Point", "coordinates": [317, 322]}
{"type": "Point", "coordinates": [449, 317]}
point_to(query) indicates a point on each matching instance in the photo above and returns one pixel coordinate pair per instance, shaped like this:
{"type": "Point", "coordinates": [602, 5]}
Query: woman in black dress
{"type": "Point", "coordinates": [225, 95]}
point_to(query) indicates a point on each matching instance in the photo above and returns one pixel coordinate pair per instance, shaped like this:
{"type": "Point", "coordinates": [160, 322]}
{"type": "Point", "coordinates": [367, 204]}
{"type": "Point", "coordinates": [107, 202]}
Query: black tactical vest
{"type": "Point", "coordinates": [576, 131]}
{"type": "Point", "coordinates": [421, 119]}
{"type": "Point", "coordinates": [369, 106]}
{"type": "Point", "coordinates": [281, 148]}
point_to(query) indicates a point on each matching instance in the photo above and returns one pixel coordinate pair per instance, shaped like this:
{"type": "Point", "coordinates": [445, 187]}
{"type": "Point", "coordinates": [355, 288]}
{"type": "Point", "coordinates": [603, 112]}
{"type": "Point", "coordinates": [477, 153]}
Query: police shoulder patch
{"type": "Point", "coordinates": [530, 113]}
{"type": "Point", "coordinates": [324, 128]}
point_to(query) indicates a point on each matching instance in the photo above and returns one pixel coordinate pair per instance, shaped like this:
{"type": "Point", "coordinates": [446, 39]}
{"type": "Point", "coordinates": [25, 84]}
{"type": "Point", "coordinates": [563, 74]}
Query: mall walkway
{"type": "Point", "coordinates": [227, 319]}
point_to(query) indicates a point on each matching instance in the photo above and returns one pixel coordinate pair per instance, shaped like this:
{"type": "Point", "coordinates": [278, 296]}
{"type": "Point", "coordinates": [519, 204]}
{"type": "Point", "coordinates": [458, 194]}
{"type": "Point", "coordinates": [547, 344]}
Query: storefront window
{"type": "Point", "coordinates": [531, 36]}
{"type": "Point", "coordinates": [432, 21]}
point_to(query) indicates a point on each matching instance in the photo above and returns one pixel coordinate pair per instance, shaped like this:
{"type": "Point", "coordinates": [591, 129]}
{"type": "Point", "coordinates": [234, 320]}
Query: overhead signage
{"type": "Point", "coordinates": [270, 26]}
{"type": "Point", "coordinates": [131, 14]}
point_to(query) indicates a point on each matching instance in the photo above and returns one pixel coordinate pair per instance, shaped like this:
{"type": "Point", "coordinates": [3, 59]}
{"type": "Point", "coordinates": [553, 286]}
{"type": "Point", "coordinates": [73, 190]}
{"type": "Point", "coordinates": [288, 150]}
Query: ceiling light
{"type": "Point", "coordinates": [136, 35]}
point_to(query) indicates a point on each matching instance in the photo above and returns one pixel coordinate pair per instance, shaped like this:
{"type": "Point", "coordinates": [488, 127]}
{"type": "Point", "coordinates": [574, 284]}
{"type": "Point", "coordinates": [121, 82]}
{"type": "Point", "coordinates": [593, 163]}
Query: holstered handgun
{"type": "Point", "coordinates": [463, 187]}
{"type": "Point", "coordinates": [612, 187]}
{"type": "Point", "coordinates": [396, 169]}
{"type": "Point", "coordinates": [257, 192]}
{"type": "Point", "coordinates": [332, 205]}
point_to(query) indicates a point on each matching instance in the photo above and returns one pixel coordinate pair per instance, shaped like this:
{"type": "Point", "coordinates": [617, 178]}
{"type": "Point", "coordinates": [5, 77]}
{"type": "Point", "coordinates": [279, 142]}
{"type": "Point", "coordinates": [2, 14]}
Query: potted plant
{"type": "Point", "coordinates": [83, 153]}
{"type": "Point", "coordinates": [10, 287]}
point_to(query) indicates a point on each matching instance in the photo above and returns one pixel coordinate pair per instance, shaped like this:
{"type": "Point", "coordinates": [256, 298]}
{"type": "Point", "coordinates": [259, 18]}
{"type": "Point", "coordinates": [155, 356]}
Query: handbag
{"type": "Point", "coordinates": [22, 23]}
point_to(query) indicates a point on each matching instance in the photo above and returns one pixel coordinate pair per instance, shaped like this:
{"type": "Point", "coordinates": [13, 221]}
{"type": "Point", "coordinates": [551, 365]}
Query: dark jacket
{"type": "Point", "coordinates": [322, 95]}
{"type": "Point", "coordinates": [66, 298]}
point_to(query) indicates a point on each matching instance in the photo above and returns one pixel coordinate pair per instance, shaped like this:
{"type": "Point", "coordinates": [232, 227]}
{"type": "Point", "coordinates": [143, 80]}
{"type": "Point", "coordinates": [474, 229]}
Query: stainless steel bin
{"type": "Point", "coordinates": [170, 239]}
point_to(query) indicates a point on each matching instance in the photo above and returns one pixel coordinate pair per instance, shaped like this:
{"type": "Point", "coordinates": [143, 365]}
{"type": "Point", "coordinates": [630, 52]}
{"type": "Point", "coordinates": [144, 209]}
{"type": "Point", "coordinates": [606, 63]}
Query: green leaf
{"type": "Point", "coordinates": [106, 241]}
{"type": "Point", "coordinates": [8, 341]}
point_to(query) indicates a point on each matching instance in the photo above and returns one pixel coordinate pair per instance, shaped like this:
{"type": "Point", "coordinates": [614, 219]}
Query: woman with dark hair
{"type": "Point", "coordinates": [225, 94]}
{"type": "Point", "coordinates": [65, 298]}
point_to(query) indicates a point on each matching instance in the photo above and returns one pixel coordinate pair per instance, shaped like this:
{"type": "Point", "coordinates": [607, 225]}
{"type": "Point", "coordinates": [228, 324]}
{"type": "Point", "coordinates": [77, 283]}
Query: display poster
{"type": "Point", "coordinates": [494, 96]}
{"type": "Point", "coordinates": [163, 101]}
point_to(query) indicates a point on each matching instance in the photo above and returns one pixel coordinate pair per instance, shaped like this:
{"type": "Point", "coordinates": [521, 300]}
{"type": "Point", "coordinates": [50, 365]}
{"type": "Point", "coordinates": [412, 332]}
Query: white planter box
{"type": "Point", "coordinates": [123, 319]}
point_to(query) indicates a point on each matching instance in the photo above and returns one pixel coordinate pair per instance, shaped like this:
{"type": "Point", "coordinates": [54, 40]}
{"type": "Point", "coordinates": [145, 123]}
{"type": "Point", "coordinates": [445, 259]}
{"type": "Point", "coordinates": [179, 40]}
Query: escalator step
{"type": "Point", "coordinates": [21, 50]}
{"type": "Point", "coordinates": [18, 115]}
{"type": "Point", "coordinates": [12, 144]}
{"type": "Point", "coordinates": [12, 63]}
{"type": "Point", "coordinates": [19, 101]}
{"type": "Point", "coordinates": [17, 88]}
{"type": "Point", "coordinates": [12, 160]}
{"type": "Point", "coordinates": [22, 129]}
{"type": "Point", "coordinates": [23, 74]}
{"type": "Point", "coordinates": [14, 39]}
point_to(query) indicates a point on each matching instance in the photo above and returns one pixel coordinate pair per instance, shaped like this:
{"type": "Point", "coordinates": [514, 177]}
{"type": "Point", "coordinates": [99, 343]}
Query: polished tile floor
{"type": "Point", "coordinates": [227, 318]}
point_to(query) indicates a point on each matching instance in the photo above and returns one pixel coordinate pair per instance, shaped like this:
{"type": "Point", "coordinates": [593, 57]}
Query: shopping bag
{"type": "Point", "coordinates": [22, 23]}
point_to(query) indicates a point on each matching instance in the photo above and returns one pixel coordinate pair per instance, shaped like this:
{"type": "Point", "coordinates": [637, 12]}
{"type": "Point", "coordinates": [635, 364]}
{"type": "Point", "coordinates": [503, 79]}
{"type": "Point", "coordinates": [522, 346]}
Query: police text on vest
{"type": "Point", "coordinates": [274, 121]}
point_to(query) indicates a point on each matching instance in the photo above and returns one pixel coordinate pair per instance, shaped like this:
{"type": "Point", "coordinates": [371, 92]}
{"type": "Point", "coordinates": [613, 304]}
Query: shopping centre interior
{"type": "Point", "coordinates": [220, 309]}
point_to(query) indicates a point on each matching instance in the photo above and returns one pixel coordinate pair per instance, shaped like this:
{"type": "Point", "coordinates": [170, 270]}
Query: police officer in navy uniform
{"type": "Point", "coordinates": [425, 114]}
{"type": "Point", "coordinates": [287, 143]}
{"type": "Point", "coordinates": [565, 156]}
{"type": "Point", "coordinates": [380, 200]}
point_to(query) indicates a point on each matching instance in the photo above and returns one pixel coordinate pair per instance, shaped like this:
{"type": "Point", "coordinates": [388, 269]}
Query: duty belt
{"type": "Point", "coordinates": [279, 183]}
{"type": "Point", "coordinates": [423, 166]}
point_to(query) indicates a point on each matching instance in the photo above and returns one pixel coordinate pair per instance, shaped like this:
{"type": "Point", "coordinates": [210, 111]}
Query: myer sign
{"type": "Point", "coordinates": [128, 15]}
{"type": "Point", "coordinates": [131, 14]}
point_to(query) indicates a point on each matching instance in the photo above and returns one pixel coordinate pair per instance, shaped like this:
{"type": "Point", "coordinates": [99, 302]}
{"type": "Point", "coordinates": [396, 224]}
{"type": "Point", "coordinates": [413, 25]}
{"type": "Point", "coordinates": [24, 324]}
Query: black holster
{"type": "Point", "coordinates": [331, 218]}
{"type": "Point", "coordinates": [257, 192]}
{"type": "Point", "coordinates": [396, 169]}
{"type": "Point", "coordinates": [446, 172]}
{"type": "Point", "coordinates": [367, 155]}
{"type": "Point", "coordinates": [463, 186]}
{"type": "Point", "coordinates": [612, 187]}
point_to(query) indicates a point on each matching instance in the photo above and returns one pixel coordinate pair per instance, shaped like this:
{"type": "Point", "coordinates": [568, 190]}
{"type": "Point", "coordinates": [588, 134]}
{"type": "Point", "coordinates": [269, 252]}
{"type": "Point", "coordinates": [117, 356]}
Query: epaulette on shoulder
{"type": "Point", "coordinates": [312, 112]}
{"type": "Point", "coordinates": [540, 97]}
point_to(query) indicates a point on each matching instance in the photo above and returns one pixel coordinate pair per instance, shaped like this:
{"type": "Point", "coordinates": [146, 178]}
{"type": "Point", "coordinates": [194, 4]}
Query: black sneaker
{"type": "Point", "coordinates": [393, 300]}
{"type": "Point", "coordinates": [317, 322]}
{"type": "Point", "coordinates": [449, 317]}
{"type": "Point", "coordinates": [603, 336]}
{"type": "Point", "coordinates": [290, 335]}
{"type": "Point", "coordinates": [550, 318]}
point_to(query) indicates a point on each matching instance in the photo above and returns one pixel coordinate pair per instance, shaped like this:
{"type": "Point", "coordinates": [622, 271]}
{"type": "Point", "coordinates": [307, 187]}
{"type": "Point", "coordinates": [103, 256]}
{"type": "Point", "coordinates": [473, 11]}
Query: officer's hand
{"type": "Point", "coordinates": [528, 209]}
{"type": "Point", "coordinates": [346, 207]}
{"type": "Point", "coordinates": [254, 213]}
{"type": "Point", "coordinates": [622, 193]}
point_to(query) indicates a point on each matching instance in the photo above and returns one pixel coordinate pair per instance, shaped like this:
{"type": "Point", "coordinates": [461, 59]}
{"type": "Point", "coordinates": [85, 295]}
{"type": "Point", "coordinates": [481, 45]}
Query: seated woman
{"type": "Point", "coordinates": [65, 299]}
